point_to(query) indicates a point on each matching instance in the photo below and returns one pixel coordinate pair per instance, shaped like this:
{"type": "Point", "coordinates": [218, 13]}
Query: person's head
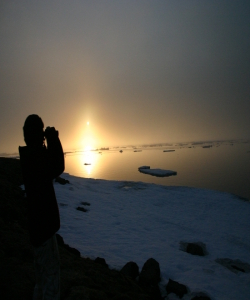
{"type": "Point", "coordinates": [33, 131]}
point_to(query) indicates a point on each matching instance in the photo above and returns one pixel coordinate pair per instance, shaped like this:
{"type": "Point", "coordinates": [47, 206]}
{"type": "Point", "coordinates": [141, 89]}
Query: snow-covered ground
{"type": "Point", "coordinates": [134, 221]}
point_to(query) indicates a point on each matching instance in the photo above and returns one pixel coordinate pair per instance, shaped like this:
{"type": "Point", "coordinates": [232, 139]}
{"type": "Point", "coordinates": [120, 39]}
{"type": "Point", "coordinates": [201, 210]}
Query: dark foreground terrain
{"type": "Point", "coordinates": [81, 278]}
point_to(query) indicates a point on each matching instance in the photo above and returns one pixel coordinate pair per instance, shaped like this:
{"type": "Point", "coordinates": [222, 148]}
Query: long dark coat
{"type": "Point", "coordinates": [40, 165]}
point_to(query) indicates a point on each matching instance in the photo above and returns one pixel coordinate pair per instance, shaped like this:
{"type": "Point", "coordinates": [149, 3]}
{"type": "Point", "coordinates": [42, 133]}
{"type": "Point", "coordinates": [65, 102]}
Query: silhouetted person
{"type": "Point", "coordinates": [40, 165]}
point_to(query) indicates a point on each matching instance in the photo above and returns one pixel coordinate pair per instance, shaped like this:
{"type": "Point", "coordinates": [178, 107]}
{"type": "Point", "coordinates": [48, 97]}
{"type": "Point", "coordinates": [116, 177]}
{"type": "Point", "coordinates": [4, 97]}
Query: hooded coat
{"type": "Point", "coordinates": [40, 165]}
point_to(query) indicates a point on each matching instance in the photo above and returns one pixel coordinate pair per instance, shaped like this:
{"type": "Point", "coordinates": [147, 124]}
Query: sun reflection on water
{"type": "Point", "coordinates": [211, 168]}
{"type": "Point", "coordinates": [89, 160]}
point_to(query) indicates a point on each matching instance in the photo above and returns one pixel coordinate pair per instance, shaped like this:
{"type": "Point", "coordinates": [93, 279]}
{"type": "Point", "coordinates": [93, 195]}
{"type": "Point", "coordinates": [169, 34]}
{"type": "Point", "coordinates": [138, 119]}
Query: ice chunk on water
{"type": "Point", "coordinates": [156, 172]}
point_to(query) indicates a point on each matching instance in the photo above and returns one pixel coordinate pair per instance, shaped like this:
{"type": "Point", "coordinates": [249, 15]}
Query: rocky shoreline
{"type": "Point", "coordinates": [81, 278]}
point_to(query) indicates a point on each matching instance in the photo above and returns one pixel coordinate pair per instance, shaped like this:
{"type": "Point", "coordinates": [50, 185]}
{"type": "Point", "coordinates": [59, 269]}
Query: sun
{"type": "Point", "coordinates": [87, 148]}
{"type": "Point", "coordinates": [88, 123]}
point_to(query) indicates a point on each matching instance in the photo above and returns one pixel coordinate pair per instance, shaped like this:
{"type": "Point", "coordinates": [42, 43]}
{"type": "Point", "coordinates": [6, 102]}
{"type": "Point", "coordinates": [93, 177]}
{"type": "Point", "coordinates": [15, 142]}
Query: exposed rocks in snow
{"type": "Point", "coordinates": [81, 209]}
{"type": "Point", "coordinates": [201, 296]}
{"type": "Point", "coordinates": [72, 250]}
{"type": "Point", "coordinates": [177, 288]}
{"type": "Point", "coordinates": [131, 269]}
{"type": "Point", "coordinates": [150, 273]}
{"type": "Point", "coordinates": [149, 278]}
{"type": "Point", "coordinates": [234, 265]}
{"type": "Point", "coordinates": [101, 261]}
{"type": "Point", "coordinates": [61, 180]}
{"type": "Point", "coordinates": [197, 248]}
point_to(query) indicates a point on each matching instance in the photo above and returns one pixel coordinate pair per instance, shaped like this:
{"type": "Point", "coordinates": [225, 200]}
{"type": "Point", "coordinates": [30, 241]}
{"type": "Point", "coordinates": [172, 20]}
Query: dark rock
{"type": "Point", "coordinates": [81, 209]}
{"type": "Point", "coordinates": [60, 240]}
{"type": "Point", "coordinates": [101, 261]}
{"type": "Point", "coordinates": [176, 288]}
{"type": "Point", "coordinates": [131, 269]}
{"type": "Point", "coordinates": [61, 180]}
{"type": "Point", "coordinates": [78, 292]}
{"type": "Point", "coordinates": [153, 291]}
{"type": "Point", "coordinates": [72, 250]}
{"type": "Point", "coordinates": [149, 278]}
{"type": "Point", "coordinates": [234, 265]}
{"type": "Point", "coordinates": [84, 293]}
{"type": "Point", "coordinates": [61, 243]}
{"type": "Point", "coordinates": [201, 296]}
{"type": "Point", "coordinates": [150, 273]}
{"type": "Point", "coordinates": [195, 249]}
{"type": "Point", "coordinates": [198, 248]}
{"type": "Point", "coordinates": [238, 268]}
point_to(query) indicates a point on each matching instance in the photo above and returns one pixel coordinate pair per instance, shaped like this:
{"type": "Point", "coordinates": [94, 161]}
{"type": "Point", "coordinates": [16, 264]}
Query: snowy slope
{"type": "Point", "coordinates": [134, 221]}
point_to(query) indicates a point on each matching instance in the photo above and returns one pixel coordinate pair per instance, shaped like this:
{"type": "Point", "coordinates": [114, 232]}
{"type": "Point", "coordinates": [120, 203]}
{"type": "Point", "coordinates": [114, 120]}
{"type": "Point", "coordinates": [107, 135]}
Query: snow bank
{"type": "Point", "coordinates": [134, 221]}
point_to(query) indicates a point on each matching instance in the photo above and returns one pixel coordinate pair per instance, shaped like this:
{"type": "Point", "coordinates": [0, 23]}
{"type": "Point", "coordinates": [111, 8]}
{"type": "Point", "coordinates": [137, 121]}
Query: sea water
{"type": "Point", "coordinates": [222, 166]}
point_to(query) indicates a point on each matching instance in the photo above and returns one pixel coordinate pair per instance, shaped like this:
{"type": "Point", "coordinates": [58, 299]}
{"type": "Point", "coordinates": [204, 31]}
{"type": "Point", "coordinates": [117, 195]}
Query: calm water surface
{"type": "Point", "coordinates": [223, 166]}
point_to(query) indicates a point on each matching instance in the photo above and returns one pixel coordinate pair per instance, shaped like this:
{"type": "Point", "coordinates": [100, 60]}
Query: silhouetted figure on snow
{"type": "Point", "coordinates": [40, 165]}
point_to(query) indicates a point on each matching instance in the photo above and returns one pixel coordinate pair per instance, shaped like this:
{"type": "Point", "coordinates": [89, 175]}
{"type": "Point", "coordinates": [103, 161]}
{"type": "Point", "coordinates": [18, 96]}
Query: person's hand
{"type": "Point", "coordinates": [50, 133]}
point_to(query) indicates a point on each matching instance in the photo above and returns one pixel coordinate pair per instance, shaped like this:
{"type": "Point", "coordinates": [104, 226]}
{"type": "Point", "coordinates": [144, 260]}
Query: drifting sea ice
{"type": "Point", "coordinates": [134, 221]}
{"type": "Point", "coordinates": [156, 172]}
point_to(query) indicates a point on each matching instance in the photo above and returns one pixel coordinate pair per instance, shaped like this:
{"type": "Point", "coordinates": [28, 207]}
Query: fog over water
{"type": "Point", "coordinates": [223, 166]}
{"type": "Point", "coordinates": [133, 72]}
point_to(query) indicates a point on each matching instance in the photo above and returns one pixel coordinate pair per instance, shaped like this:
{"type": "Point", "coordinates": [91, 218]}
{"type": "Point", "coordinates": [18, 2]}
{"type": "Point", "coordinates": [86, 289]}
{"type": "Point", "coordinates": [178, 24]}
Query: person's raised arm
{"type": "Point", "coordinates": [55, 152]}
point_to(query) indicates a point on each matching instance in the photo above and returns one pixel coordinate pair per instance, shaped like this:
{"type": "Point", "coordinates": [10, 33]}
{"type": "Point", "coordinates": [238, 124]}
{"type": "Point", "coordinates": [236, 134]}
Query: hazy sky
{"type": "Point", "coordinates": [138, 71]}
